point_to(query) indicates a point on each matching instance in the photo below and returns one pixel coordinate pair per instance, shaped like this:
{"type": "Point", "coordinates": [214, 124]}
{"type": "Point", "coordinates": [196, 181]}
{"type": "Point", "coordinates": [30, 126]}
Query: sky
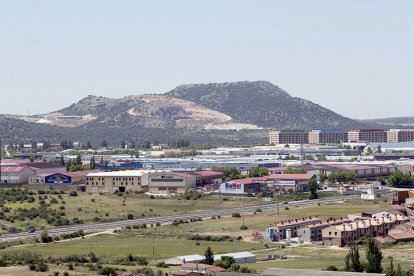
{"type": "Point", "coordinates": [353, 57]}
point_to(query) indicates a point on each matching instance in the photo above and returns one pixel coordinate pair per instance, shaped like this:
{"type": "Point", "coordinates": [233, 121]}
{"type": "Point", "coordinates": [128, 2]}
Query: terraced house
{"type": "Point", "coordinates": [340, 235]}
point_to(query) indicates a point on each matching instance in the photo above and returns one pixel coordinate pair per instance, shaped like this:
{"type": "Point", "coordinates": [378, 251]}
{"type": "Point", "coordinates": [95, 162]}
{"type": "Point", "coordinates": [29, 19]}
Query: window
{"type": "Point", "coordinates": [336, 233]}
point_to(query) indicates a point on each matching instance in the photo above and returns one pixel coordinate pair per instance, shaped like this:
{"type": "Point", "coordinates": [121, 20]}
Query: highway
{"type": "Point", "coordinates": [104, 226]}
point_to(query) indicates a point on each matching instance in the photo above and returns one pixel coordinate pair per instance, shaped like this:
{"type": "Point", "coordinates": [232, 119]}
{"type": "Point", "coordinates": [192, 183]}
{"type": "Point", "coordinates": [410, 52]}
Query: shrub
{"type": "Point", "coordinates": [243, 227]}
{"type": "Point", "coordinates": [286, 208]}
{"type": "Point", "coordinates": [258, 210]}
{"type": "Point", "coordinates": [42, 267]}
{"type": "Point", "coordinates": [65, 273]}
{"type": "Point", "coordinates": [332, 268]}
{"type": "Point", "coordinates": [32, 266]}
{"type": "Point", "coordinates": [92, 200]}
{"type": "Point", "coordinates": [106, 270]}
{"type": "Point", "coordinates": [73, 193]}
{"type": "Point", "coordinates": [236, 215]}
{"type": "Point", "coordinates": [130, 216]}
{"type": "Point", "coordinates": [161, 265]}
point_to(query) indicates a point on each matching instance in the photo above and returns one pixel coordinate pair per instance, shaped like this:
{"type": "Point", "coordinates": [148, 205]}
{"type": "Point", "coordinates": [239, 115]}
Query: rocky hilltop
{"type": "Point", "coordinates": [223, 113]}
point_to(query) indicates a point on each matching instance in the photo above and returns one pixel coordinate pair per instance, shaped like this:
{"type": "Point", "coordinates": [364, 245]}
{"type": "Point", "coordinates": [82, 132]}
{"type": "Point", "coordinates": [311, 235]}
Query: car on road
{"type": "Point", "coordinates": [31, 230]}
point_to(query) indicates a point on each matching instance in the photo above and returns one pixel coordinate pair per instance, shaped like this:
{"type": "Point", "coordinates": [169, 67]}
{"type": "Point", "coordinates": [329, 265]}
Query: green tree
{"type": "Point", "coordinates": [313, 188]}
{"type": "Point", "coordinates": [295, 171]}
{"type": "Point", "coordinates": [225, 262]}
{"type": "Point", "coordinates": [34, 146]}
{"type": "Point", "coordinates": [400, 179]}
{"type": "Point", "coordinates": [62, 161]}
{"type": "Point", "coordinates": [391, 271]}
{"type": "Point", "coordinates": [92, 163]}
{"type": "Point", "coordinates": [104, 144]}
{"type": "Point", "coordinates": [209, 256]}
{"type": "Point", "coordinates": [78, 160]}
{"type": "Point", "coordinates": [88, 144]}
{"type": "Point", "coordinates": [352, 262]}
{"type": "Point", "coordinates": [258, 171]}
{"type": "Point", "coordinates": [229, 172]}
{"type": "Point", "coordinates": [123, 144]}
{"type": "Point", "coordinates": [374, 257]}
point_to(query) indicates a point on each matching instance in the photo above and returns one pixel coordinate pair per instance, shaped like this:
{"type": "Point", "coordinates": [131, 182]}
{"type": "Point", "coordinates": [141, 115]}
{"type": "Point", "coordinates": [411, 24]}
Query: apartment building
{"type": "Point", "coordinates": [367, 135]}
{"type": "Point", "coordinates": [288, 229]}
{"type": "Point", "coordinates": [400, 135]}
{"type": "Point", "coordinates": [340, 235]}
{"type": "Point", "coordinates": [328, 136]}
{"type": "Point", "coordinates": [121, 181]}
{"type": "Point", "coordinates": [288, 137]}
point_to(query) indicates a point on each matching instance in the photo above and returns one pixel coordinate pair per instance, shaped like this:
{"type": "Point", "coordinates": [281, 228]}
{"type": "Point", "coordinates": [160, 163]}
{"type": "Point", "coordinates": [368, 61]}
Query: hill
{"type": "Point", "coordinates": [394, 122]}
{"type": "Point", "coordinates": [264, 104]}
{"type": "Point", "coordinates": [220, 113]}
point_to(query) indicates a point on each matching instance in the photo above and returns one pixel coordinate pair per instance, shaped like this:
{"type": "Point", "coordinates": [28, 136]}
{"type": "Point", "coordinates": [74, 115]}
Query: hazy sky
{"type": "Point", "coordinates": [354, 57]}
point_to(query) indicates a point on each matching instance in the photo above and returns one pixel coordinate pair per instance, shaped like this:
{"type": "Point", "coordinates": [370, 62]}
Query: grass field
{"type": "Point", "coordinates": [109, 207]}
{"type": "Point", "coordinates": [115, 246]}
{"type": "Point", "coordinates": [259, 221]}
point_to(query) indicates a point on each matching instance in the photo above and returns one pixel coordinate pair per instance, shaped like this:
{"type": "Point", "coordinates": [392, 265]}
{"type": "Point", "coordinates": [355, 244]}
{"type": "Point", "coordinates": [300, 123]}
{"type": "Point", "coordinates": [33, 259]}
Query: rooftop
{"type": "Point", "coordinates": [128, 173]}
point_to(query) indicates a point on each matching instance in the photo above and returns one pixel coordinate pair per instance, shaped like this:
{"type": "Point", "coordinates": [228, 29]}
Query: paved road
{"type": "Point", "coordinates": [169, 219]}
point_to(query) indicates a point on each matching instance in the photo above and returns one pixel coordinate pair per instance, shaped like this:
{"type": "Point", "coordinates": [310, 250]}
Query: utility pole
{"type": "Point", "coordinates": [153, 247]}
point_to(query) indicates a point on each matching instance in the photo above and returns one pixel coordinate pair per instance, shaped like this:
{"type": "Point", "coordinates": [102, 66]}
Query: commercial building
{"type": "Point", "coordinates": [367, 135]}
{"type": "Point", "coordinates": [285, 230]}
{"type": "Point", "coordinates": [288, 137]}
{"type": "Point", "coordinates": [239, 257]}
{"type": "Point", "coordinates": [400, 135]}
{"type": "Point", "coordinates": [208, 177]}
{"type": "Point", "coordinates": [16, 174]}
{"type": "Point", "coordinates": [286, 183]}
{"type": "Point", "coordinates": [340, 235]}
{"type": "Point", "coordinates": [328, 136]}
{"type": "Point", "coordinates": [19, 171]}
{"type": "Point", "coordinates": [171, 183]}
{"type": "Point", "coordinates": [121, 181]}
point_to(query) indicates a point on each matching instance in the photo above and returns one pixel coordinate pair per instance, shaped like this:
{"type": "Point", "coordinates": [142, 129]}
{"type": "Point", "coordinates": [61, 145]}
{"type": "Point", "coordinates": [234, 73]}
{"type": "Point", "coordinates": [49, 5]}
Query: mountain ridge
{"type": "Point", "coordinates": [231, 112]}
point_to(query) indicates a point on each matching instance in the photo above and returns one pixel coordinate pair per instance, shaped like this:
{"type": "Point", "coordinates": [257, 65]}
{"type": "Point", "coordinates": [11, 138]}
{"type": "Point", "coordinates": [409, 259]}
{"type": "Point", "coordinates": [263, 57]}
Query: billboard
{"type": "Point", "coordinates": [232, 186]}
{"type": "Point", "coordinates": [58, 178]}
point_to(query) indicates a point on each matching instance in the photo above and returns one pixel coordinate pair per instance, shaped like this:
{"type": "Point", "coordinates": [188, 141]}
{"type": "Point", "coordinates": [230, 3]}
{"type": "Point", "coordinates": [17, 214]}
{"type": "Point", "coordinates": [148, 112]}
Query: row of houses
{"type": "Point", "coordinates": [338, 232]}
{"type": "Point", "coordinates": [336, 136]}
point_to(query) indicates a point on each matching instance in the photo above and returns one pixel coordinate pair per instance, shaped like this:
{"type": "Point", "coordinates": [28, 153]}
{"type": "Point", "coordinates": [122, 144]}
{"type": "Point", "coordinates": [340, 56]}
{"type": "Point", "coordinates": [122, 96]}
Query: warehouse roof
{"type": "Point", "coordinates": [128, 173]}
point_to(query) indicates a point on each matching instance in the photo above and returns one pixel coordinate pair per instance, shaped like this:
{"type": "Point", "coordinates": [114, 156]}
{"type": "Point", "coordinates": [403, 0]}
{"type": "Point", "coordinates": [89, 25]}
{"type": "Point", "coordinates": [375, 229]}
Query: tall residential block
{"type": "Point", "coordinates": [288, 137]}
{"type": "Point", "coordinates": [367, 135]}
{"type": "Point", "coordinates": [328, 136]}
{"type": "Point", "coordinates": [400, 135]}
